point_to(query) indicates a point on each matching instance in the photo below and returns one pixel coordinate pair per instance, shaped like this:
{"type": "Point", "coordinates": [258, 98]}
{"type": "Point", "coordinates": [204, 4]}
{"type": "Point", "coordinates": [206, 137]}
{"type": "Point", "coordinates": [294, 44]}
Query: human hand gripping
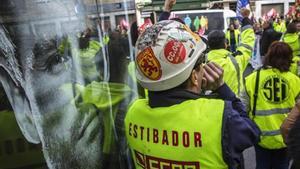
{"type": "Point", "coordinates": [212, 77]}
{"type": "Point", "coordinates": [169, 5]}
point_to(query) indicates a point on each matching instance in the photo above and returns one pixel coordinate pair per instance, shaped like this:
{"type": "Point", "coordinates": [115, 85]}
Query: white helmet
{"type": "Point", "coordinates": [166, 54]}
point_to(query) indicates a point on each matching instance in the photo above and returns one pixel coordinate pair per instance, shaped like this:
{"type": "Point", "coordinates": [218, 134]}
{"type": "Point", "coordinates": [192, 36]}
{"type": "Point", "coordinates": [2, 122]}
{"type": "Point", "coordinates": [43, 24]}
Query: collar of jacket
{"type": "Point", "coordinates": [171, 97]}
{"type": "Point", "coordinates": [218, 54]}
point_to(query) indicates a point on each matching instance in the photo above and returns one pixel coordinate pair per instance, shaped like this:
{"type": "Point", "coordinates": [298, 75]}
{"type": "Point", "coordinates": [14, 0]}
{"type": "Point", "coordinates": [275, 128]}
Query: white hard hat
{"type": "Point", "coordinates": [166, 54]}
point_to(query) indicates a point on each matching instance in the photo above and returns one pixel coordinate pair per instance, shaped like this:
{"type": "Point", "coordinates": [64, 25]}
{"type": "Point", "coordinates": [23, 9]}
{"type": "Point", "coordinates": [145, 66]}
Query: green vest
{"type": "Point", "coordinates": [292, 39]}
{"type": "Point", "coordinates": [186, 135]}
{"type": "Point", "coordinates": [15, 150]}
{"type": "Point", "coordinates": [236, 36]}
{"type": "Point", "coordinates": [277, 92]}
{"type": "Point", "coordinates": [231, 76]}
{"type": "Point", "coordinates": [279, 27]}
{"type": "Point", "coordinates": [294, 66]}
{"type": "Point", "coordinates": [234, 67]}
{"type": "Point", "coordinates": [87, 61]}
{"type": "Point", "coordinates": [104, 98]}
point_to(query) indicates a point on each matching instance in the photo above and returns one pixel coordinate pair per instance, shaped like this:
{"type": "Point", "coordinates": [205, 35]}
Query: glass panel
{"type": "Point", "coordinates": [67, 78]}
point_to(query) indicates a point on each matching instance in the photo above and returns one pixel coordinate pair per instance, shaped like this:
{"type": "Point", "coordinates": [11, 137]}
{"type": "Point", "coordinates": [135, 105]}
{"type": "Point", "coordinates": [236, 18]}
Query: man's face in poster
{"type": "Point", "coordinates": [39, 77]}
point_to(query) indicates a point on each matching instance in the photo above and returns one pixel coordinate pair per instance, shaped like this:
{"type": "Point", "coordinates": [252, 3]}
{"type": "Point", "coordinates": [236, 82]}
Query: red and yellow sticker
{"type": "Point", "coordinates": [148, 64]}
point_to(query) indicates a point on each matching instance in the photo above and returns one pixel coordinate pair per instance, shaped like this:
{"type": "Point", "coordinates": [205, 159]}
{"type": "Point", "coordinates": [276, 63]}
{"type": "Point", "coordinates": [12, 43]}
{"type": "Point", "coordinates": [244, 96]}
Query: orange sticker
{"type": "Point", "coordinates": [148, 64]}
{"type": "Point", "coordinates": [197, 37]}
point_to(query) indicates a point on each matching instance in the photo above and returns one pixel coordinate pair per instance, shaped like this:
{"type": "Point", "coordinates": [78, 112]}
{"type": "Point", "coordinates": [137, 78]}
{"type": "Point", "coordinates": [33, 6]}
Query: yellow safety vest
{"type": "Point", "coordinates": [186, 135]}
{"type": "Point", "coordinates": [231, 78]}
{"type": "Point", "coordinates": [15, 150]}
{"type": "Point", "coordinates": [236, 36]}
{"type": "Point", "coordinates": [234, 67]}
{"type": "Point", "coordinates": [279, 27]}
{"type": "Point", "coordinates": [277, 92]}
{"type": "Point", "coordinates": [292, 39]}
{"type": "Point", "coordinates": [294, 66]}
{"type": "Point", "coordinates": [104, 97]}
{"type": "Point", "coordinates": [87, 61]}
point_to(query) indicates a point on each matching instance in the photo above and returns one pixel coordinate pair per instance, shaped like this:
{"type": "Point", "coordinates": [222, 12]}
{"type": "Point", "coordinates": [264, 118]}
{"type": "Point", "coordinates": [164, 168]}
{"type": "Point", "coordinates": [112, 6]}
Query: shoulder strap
{"type": "Point", "coordinates": [282, 37]}
{"type": "Point", "coordinates": [237, 68]}
{"type": "Point", "coordinates": [256, 92]}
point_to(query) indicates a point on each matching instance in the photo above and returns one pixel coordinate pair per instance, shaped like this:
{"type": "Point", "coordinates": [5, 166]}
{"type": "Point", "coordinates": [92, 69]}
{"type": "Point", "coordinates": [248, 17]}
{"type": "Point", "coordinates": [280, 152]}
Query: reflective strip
{"type": "Point", "coordinates": [237, 69]}
{"type": "Point", "coordinates": [271, 133]}
{"type": "Point", "coordinates": [246, 46]}
{"type": "Point", "coordinates": [246, 27]}
{"type": "Point", "coordinates": [272, 111]}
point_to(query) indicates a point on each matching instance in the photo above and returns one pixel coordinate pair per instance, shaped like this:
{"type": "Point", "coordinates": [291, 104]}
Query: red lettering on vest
{"type": "Point", "coordinates": [197, 139]}
{"type": "Point", "coordinates": [165, 138]}
{"type": "Point", "coordinates": [148, 134]}
{"type": "Point", "coordinates": [150, 162]}
{"type": "Point", "coordinates": [135, 131]}
{"type": "Point", "coordinates": [155, 136]}
{"type": "Point", "coordinates": [175, 138]}
{"type": "Point", "coordinates": [142, 130]}
{"type": "Point", "coordinates": [185, 139]}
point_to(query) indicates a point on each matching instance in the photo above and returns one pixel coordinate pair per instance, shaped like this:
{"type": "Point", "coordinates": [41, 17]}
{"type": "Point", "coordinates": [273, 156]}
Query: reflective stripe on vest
{"type": "Point", "coordinates": [276, 96]}
{"type": "Point", "coordinates": [270, 133]}
{"type": "Point", "coordinates": [237, 68]}
{"type": "Point", "coordinates": [246, 27]}
{"type": "Point", "coordinates": [272, 111]}
{"type": "Point", "coordinates": [186, 135]}
{"type": "Point", "coordinates": [221, 57]}
{"type": "Point", "coordinates": [246, 46]}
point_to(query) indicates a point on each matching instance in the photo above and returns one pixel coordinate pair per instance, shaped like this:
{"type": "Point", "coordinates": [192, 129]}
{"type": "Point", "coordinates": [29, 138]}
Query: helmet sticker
{"type": "Point", "coordinates": [197, 37]}
{"type": "Point", "coordinates": [149, 37]}
{"type": "Point", "coordinates": [275, 89]}
{"type": "Point", "coordinates": [148, 64]}
{"type": "Point", "coordinates": [175, 52]}
{"type": "Point", "coordinates": [180, 36]}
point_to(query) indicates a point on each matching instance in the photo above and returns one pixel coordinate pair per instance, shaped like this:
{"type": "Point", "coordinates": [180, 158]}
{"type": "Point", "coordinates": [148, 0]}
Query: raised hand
{"type": "Point", "coordinates": [213, 76]}
{"type": "Point", "coordinates": [169, 5]}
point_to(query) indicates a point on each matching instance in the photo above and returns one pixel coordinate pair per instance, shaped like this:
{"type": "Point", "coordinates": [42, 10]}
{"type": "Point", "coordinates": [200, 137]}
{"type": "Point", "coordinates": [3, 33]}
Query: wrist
{"type": "Point", "coordinates": [167, 9]}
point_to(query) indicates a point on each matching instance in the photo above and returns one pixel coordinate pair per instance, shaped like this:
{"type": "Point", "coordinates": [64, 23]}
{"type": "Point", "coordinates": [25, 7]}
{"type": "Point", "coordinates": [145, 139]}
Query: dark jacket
{"type": "Point", "coordinates": [238, 131]}
{"type": "Point", "coordinates": [269, 35]}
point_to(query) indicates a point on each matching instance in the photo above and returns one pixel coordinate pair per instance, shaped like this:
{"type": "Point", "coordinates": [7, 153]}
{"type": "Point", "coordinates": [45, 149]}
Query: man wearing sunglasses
{"type": "Point", "coordinates": [178, 126]}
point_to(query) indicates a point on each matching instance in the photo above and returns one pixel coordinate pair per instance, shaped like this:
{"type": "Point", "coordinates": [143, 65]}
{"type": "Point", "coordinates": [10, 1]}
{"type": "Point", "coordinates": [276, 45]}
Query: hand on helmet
{"type": "Point", "coordinates": [212, 77]}
{"type": "Point", "coordinates": [169, 5]}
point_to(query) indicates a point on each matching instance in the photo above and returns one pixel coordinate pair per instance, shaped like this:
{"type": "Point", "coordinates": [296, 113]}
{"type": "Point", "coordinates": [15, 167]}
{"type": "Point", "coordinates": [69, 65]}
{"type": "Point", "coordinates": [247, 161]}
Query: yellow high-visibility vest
{"type": "Point", "coordinates": [234, 67]}
{"type": "Point", "coordinates": [87, 61]}
{"type": "Point", "coordinates": [236, 36]}
{"type": "Point", "coordinates": [186, 135]}
{"type": "Point", "coordinates": [277, 92]}
{"type": "Point", "coordinates": [292, 39]}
